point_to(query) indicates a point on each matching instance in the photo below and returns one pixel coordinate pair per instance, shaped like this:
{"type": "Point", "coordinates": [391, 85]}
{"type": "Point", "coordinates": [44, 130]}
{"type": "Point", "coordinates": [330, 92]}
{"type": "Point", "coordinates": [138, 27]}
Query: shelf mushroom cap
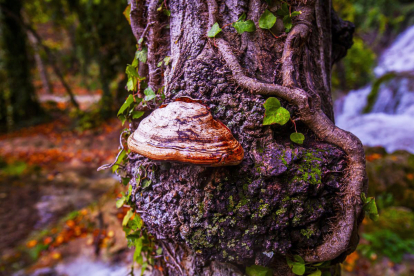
{"type": "Point", "coordinates": [185, 131]}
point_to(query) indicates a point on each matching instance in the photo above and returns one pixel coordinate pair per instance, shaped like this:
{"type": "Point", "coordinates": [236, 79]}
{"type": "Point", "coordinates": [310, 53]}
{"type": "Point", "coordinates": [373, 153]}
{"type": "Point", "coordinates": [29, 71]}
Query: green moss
{"type": "Point", "coordinates": [281, 211]}
{"type": "Point", "coordinates": [310, 170]}
{"type": "Point", "coordinates": [199, 239]}
{"type": "Point", "coordinates": [307, 232]}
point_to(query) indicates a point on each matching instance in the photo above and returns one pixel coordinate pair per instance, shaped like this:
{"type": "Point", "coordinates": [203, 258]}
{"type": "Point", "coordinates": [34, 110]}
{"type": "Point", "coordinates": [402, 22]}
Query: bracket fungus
{"type": "Point", "coordinates": [185, 131]}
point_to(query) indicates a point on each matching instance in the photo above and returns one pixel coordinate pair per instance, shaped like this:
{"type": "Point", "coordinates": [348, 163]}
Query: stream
{"type": "Point", "coordinates": [390, 123]}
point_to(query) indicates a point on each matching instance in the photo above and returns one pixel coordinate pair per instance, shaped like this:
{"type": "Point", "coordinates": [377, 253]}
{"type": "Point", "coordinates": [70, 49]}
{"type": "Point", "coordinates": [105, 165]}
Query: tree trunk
{"type": "Point", "coordinates": [22, 100]}
{"type": "Point", "coordinates": [284, 198]}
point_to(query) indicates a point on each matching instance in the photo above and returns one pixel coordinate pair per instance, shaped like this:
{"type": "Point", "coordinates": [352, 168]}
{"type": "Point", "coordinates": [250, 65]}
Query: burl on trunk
{"type": "Point", "coordinates": [283, 198]}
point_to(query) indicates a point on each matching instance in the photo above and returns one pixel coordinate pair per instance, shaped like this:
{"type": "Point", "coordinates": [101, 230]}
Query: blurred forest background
{"type": "Point", "coordinates": [62, 80]}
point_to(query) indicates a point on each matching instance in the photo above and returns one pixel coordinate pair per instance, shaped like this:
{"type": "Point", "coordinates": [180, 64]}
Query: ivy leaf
{"type": "Point", "coordinates": [299, 259]}
{"type": "Point", "coordinates": [287, 22]}
{"type": "Point", "coordinates": [120, 202]}
{"type": "Point", "coordinates": [215, 30]}
{"type": "Point", "coordinates": [141, 55]}
{"type": "Point", "coordinates": [257, 270]}
{"type": "Point", "coordinates": [242, 26]}
{"type": "Point", "coordinates": [371, 209]}
{"type": "Point", "coordinates": [267, 20]}
{"type": "Point", "coordinates": [295, 13]}
{"type": "Point", "coordinates": [149, 94]}
{"type": "Point", "coordinates": [137, 114]}
{"type": "Point", "coordinates": [316, 273]}
{"type": "Point", "coordinates": [132, 84]}
{"type": "Point", "coordinates": [167, 12]}
{"type": "Point", "coordinates": [146, 183]}
{"type": "Point", "coordinates": [127, 103]}
{"type": "Point", "coordinates": [298, 268]}
{"type": "Point", "coordinates": [281, 117]}
{"type": "Point", "coordinates": [127, 217]}
{"type": "Point", "coordinates": [127, 14]}
{"type": "Point", "coordinates": [140, 40]}
{"type": "Point", "coordinates": [167, 60]}
{"type": "Point", "coordinates": [138, 249]}
{"type": "Point", "coordinates": [131, 71]}
{"type": "Point", "coordinates": [272, 104]}
{"type": "Point", "coordinates": [285, 8]}
{"type": "Point", "coordinates": [298, 138]}
{"type": "Point", "coordinates": [159, 64]}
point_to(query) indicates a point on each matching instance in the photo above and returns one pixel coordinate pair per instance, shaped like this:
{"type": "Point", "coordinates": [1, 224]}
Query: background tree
{"type": "Point", "coordinates": [18, 94]}
{"type": "Point", "coordinates": [285, 198]}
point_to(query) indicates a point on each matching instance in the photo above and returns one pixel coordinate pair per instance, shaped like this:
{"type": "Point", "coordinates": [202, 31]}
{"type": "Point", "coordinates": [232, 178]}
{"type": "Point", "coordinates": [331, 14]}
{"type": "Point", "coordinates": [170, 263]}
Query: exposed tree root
{"type": "Point", "coordinates": [310, 112]}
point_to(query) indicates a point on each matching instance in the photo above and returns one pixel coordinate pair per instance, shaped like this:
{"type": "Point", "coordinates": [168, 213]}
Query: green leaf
{"type": "Point", "coordinates": [140, 40]}
{"type": "Point", "coordinates": [120, 202]}
{"type": "Point", "coordinates": [272, 104]}
{"type": "Point", "coordinates": [127, 14]}
{"type": "Point", "coordinates": [167, 12]}
{"type": "Point", "coordinates": [295, 13]}
{"type": "Point", "coordinates": [257, 270]}
{"type": "Point", "coordinates": [267, 20]}
{"type": "Point", "coordinates": [287, 22]}
{"type": "Point", "coordinates": [141, 55]}
{"type": "Point", "coordinates": [131, 71]}
{"type": "Point", "coordinates": [215, 30]}
{"type": "Point", "coordinates": [363, 197]}
{"type": "Point", "coordinates": [298, 268]}
{"type": "Point", "coordinates": [125, 180]}
{"type": "Point", "coordinates": [159, 64]}
{"type": "Point", "coordinates": [298, 138]}
{"type": "Point", "coordinates": [149, 94]}
{"type": "Point", "coordinates": [244, 26]}
{"type": "Point", "coordinates": [135, 63]}
{"type": "Point", "coordinates": [138, 249]}
{"type": "Point", "coordinates": [316, 273]}
{"type": "Point", "coordinates": [127, 217]}
{"type": "Point", "coordinates": [128, 102]}
{"type": "Point", "coordinates": [281, 117]}
{"type": "Point", "coordinates": [299, 259]}
{"type": "Point", "coordinates": [146, 183]}
{"type": "Point", "coordinates": [137, 114]}
{"type": "Point", "coordinates": [371, 208]}
{"type": "Point", "coordinates": [285, 8]}
{"type": "Point", "coordinates": [167, 60]}
{"type": "Point", "coordinates": [132, 84]}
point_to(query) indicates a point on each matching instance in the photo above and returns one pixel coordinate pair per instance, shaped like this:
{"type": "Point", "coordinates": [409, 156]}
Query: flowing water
{"type": "Point", "coordinates": [390, 123]}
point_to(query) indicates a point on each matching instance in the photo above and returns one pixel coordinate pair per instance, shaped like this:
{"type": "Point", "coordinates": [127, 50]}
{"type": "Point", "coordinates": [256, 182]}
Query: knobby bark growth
{"type": "Point", "coordinates": [284, 198]}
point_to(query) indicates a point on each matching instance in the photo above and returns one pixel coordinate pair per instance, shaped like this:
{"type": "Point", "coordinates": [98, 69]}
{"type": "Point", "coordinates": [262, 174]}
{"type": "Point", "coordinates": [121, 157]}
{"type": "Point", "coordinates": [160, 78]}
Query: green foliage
{"type": "Point", "coordinates": [287, 16]}
{"type": "Point", "coordinates": [257, 270]}
{"type": "Point", "coordinates": [297, 264]}
{"type": "Point", "coordinates": [166, 61]}
{"type": "Point", "coordinates": [356, 66]}
{"type": "Point", "coordinates": [275, 113]}
{"type": "Point", "coordinates": [13, 169]}
{"type": "Point", "coordinates": [299, 267]}
{"type": "Point", "coordinates": [386, 243]}
{"type": "Point", "coordinates": [307, 232]}
{"type": "Point", "coordinates": [373, 95]}
{"type": "Point", "coordinates": [215, 30]}
{"type": "Point", "coordinates": [267, 20]}
{"type": "Point", "coordinates": [370, 207]}
{"type": "Point", "coordinates": [142, 54]}
{"type": "Point", "coordinates": [242, 25]}
{"type": "Point", "coordinates": [298, 138]}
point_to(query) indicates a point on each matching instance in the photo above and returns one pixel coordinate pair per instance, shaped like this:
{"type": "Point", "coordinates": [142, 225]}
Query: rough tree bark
{"type": "Point", "coordinates": [217, 221]}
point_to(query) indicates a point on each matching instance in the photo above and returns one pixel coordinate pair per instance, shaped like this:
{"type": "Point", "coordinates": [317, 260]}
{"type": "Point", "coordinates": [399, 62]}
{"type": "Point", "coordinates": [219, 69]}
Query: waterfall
{"type": "Point", "coordinates": [390, 120]}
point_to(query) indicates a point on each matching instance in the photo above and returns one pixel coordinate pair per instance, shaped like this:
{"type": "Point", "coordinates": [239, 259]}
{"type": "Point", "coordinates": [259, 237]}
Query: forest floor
{"type": "Point", "coordinates": [58, 214]}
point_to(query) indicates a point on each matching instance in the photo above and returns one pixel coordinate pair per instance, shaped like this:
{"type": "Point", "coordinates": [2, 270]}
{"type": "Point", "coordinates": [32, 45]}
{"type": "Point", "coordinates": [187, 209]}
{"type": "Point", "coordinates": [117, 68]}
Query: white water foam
{"type": "Point", "coordinates": [390, 123]}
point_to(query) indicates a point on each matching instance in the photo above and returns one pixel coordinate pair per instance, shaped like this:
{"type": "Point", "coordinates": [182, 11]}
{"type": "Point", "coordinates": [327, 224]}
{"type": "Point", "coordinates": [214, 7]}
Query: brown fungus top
{"type": "Point", "coordinates": [185, 131]}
